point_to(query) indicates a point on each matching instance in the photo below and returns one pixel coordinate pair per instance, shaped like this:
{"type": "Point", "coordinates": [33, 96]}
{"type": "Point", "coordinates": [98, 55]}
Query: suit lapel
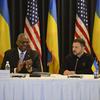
{"type": "Point", "coordinates": [17, 55]}
{"type": "Point", "coordinates": [27, 55]}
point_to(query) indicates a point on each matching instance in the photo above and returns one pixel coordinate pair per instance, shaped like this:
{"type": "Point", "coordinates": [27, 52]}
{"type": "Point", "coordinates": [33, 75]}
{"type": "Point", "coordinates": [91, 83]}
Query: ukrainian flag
{"type": "Point", "coordinates": [95, 66]}
{"type": "Point", "coordinates": [4, 28]}
{"type": "Point", "coordinates": [96, 31]}
{"type": "Point", "coordinates": [52, 38]}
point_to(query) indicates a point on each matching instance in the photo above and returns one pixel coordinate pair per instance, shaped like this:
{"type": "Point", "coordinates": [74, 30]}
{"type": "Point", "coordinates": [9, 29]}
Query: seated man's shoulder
{"type": "Point", "coordinates": [70, 56]}
{"type": "Point", "coordinates": [88, 55]}
{"type": "Point", "coordinates": [11, 50]}
{"type": "Point", "coordinates": [34, 52]}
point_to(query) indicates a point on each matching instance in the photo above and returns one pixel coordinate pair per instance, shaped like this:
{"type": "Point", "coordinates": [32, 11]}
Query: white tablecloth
{"type": "Point", "coordinates": [49, 88]}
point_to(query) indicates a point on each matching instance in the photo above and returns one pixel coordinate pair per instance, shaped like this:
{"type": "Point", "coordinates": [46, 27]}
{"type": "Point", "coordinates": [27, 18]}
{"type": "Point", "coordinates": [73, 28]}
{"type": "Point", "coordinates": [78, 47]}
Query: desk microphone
{"type": "Point", "coordinates": [76, 64]}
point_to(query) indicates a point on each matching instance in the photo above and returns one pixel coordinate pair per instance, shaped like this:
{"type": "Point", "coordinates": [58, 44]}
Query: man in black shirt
{"type": "Point", "coordinates": [79, 62]}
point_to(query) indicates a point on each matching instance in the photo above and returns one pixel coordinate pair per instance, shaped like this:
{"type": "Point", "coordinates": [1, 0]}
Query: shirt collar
{"type": "Point", "coordinates": [19, 51]}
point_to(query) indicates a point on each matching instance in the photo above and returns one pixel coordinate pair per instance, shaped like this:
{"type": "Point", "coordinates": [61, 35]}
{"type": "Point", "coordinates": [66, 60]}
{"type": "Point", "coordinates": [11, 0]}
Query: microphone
{"type": "Point", "coordinates": [76, 64]}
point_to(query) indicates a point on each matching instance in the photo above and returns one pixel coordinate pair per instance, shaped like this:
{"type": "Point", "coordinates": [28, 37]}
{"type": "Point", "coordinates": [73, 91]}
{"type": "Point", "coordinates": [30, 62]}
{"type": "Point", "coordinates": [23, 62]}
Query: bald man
{"type": "Point", "coordinates": [22, 59]}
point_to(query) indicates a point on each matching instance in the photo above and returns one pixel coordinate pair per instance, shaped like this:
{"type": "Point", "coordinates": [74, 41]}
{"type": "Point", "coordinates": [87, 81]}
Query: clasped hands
{"type": "Point", "coordinates": [26, 63]}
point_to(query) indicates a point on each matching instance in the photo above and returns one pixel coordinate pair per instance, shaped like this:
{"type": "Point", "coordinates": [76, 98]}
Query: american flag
{"type": "Point", "coordinates": [31, 28]}
{"type": "Point", "coordinates": [81, 25]}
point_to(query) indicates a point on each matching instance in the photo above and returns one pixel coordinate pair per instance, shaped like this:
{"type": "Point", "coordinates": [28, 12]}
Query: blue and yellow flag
{"type": "Point", "coordinates": [95, 66]}
{"type": "Point", "coordinates": [96, 31]}
{"type": "Point", "coordinates": [4, 28]}
{"type": "Point", "coordinates": [52, 38]}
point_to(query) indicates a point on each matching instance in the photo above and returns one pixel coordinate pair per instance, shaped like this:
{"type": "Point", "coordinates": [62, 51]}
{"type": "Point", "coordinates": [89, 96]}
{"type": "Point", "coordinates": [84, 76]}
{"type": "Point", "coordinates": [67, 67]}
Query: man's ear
{"type": "Point", "coordinates": [83, 48]}
{"type": "Point", "coordinates": [17, 43]}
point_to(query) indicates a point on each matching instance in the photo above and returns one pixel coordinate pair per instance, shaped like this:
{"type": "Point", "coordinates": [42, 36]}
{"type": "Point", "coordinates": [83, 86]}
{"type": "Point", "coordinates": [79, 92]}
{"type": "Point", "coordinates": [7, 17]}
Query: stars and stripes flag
{"type": "Point", "coordinates": [81, 25]}
{"type": "Point", "coordinates": [31, 28]}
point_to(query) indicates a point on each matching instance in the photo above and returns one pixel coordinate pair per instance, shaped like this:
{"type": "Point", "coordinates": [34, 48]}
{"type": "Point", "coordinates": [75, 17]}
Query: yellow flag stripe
{"type": "Point", "coordinates": [96, 36]}
{"type": "Point", "coordinates": [4, 37]}
{"type": "Point", "coordinates": [52, 44]}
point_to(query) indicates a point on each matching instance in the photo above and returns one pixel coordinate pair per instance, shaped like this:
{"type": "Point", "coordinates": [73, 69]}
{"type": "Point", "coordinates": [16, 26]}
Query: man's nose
{"type": "Point", "coordinates": [73, 48]}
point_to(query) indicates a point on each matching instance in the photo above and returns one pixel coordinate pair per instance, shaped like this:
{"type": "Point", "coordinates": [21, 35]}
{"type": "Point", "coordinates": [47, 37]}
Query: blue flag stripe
{"type": "Point", "coordinates": [52, 9]}
{"type": "Point", "coordinates": [95, 64]}
{"type": "Point", "coordinates": [4, 10]}
{"type": "Point", "coordinates": [98, 8]}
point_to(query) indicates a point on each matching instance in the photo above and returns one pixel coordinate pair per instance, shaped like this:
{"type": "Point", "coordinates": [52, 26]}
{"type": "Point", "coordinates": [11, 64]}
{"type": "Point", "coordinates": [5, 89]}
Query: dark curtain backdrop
{"type": "Point", "coordinates": [66, 10]}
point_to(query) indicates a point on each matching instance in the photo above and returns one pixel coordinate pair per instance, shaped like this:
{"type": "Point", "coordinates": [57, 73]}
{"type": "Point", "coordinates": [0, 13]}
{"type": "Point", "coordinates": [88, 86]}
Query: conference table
{"type": "Point", "coordinates": [55, 87]}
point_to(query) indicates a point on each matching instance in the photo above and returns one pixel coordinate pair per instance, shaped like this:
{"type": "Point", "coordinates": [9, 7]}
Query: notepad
{"type": "Point", "coordinates": [75, 76]}
{"type": "Point", "coordinates": [18, 75]}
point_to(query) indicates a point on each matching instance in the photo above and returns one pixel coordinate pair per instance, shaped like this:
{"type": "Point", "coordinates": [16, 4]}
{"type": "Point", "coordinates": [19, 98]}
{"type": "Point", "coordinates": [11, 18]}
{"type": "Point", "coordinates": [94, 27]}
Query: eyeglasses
{"type": "Point", "coordinates": [24, 42]}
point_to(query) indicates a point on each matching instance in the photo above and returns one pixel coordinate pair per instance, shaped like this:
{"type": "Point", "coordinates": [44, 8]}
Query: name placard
{"type": "Point", "coordinates": [4, 73]}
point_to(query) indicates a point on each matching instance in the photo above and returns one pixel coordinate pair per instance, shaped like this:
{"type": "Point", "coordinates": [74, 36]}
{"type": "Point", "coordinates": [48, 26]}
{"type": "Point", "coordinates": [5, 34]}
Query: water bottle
{"type": "Point", "coordinates": [96, 73]}
{"type": "Point", "coordinates": [7, 65]}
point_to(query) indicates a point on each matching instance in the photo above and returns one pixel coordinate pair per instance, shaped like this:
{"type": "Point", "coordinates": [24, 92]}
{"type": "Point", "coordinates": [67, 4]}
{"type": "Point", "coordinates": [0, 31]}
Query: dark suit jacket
{"type": "Point", "coordinates": [13, 57]}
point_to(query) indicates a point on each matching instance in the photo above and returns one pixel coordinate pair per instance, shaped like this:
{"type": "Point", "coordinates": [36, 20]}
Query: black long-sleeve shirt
{"type": "Point", "coordinates": [80, 65]}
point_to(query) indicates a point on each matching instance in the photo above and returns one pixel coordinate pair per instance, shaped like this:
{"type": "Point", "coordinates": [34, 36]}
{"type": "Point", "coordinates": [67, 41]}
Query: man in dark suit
{"type": "Point", "coordinates": [22, 59]}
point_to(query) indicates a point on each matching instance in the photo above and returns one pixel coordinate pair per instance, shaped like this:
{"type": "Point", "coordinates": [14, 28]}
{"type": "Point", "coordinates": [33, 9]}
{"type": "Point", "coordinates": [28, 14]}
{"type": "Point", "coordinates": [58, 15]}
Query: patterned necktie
{"type": "Point", "coordinates": [21, 56]}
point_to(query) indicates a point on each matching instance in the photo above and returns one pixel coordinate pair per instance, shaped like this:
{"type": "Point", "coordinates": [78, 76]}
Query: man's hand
{"type": "Point", "coordinates": [20, 66]}
{"type": "Point", "coordinates": [29, 65]}
{"type": "Point", "coordinates": [67, 72]}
